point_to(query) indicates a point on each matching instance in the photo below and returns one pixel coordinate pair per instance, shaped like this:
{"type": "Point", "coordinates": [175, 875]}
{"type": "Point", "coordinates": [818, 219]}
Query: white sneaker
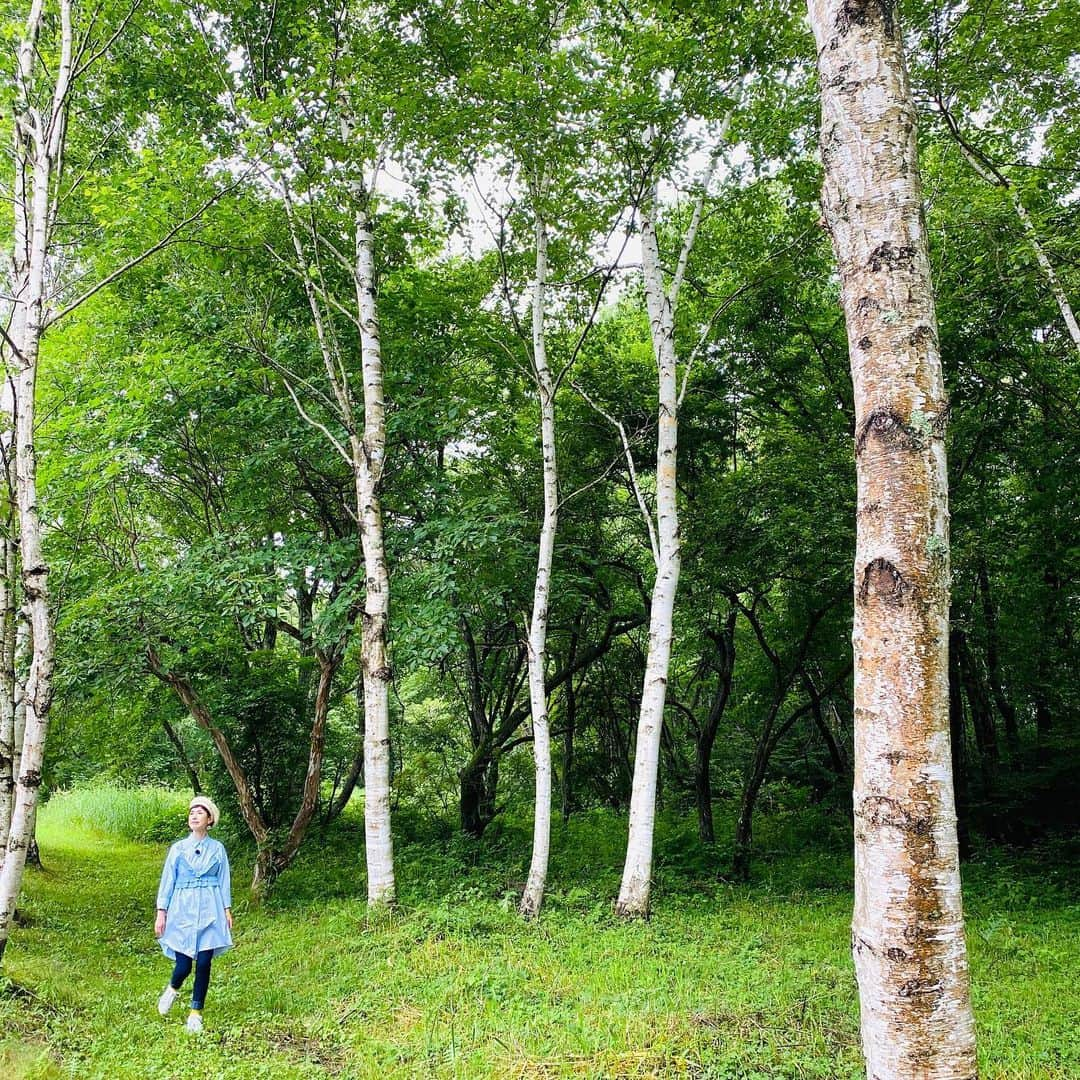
{"type": "Point", "coordinates": [194, 1023]}
{"type": "Point", "coordinates": [165, 1002]}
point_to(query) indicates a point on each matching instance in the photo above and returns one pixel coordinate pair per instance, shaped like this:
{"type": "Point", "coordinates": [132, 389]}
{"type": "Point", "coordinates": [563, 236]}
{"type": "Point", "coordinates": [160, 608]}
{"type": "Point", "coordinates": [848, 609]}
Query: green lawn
{"type": "Point", "coordinates": [723, 982]}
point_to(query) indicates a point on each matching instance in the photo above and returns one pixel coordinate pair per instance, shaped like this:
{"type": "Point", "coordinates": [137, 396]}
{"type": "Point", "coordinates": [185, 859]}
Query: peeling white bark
{"type": "Point", "coordinates": [662, 304]}
{"type": "Point", "coordinates": [907, 931]}
{"type": "Point", "coordinates": [368, 460]}
{"type": "Point", "coordinates": [38, 152]}
{"type": "Point", "coordinates": [533, 896]}
{"type": "Point", "coordinates": [365, 455]}
{"type": "Point", "coordinates": [8, 754]}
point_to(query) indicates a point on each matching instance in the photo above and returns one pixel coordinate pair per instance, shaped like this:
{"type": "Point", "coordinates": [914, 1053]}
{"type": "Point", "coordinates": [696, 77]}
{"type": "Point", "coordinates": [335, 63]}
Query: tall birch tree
{"type": "Point", "coordinates": [537, 641]}
{"type": "Point", "coordinates": [39, 129]}
{"type": "Point", "coordinates": [58, 47]}
{"type": "Point", "coordinates": [662, 301]}
{"type": "Point", "coordinates": [908, 931]}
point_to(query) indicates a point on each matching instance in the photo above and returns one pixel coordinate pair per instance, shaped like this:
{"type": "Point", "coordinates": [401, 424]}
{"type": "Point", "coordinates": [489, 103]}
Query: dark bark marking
{"type": "Point", "coordinates": [867, 13]}
{"type": "Point", "coordinates": [885, 256]}
{"type": "Point", "coordinates": [883, 580]}
{"type": "Point", "coordinates": [888, 428]}
{"type": "Point", "coordinates": [914, 934]}
{"type": "Point", "coordinates": [921, 334]}
{"type": "Point", "coordinates": [858, 944]}
{"type": "Point", "coordinates": [894, 757]}
{"type": "Point", "coordinates": [880, 810]}
{"type": "Point", "coordinates": [31, 779]}
{"type": "Point", "coordinates": [865, 305]}
{"type": "Point", "coordinates": [897, 955]}
{"type": "Point", "coordinates": [919, 986]}
{"type": "Point", "coordinates": [865, 343]}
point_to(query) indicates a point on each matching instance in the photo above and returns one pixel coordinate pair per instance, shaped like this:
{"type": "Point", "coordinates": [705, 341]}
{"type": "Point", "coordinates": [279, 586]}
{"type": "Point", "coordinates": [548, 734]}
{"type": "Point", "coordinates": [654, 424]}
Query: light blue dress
{"type": "Point", "coordinates": [194, 892]}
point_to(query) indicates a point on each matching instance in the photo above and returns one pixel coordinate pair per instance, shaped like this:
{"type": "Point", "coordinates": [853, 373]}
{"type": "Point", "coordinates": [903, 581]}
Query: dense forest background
{"type": "Point", "coordinates": [199, 515]}
{"type": "Point", "coordinates": [420, 417]}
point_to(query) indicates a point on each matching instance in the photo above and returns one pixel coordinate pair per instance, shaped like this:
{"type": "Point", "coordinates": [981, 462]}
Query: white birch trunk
{"type": "Point", "coordinates": [907, 931]}
{"type": "Point", "coordinates": [636, 885]}
{"type": "Point", "coordinates": [8, 769]}
{"type": "Point", "coordinates": [38, 151]}
{"type": "Point", "coordinates": [365, 455]}
{"type": "Point", "coordinates": [533, 896]}
{"type": "Point", "coordinates": [368, 460]}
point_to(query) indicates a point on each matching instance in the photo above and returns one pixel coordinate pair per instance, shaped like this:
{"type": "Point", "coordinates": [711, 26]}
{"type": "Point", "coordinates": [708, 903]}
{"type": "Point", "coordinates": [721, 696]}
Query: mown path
{"type": "Point", "coordinates": [732, 983]}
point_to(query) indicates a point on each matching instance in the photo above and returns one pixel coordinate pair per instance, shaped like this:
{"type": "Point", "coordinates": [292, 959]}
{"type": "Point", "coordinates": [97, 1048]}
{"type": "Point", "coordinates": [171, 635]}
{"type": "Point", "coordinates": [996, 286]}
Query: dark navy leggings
{"type": "Point", "coordinates": [202, 975]}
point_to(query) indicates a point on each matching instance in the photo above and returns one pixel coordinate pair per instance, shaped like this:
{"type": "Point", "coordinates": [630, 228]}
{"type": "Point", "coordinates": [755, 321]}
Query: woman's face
{"type": "Point", "coordinates": [198, 819]}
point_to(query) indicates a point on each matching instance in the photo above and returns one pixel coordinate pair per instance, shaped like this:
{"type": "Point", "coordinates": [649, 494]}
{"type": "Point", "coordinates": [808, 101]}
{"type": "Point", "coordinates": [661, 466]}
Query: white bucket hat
{"type": "Point", "coordinates": [208, 805]}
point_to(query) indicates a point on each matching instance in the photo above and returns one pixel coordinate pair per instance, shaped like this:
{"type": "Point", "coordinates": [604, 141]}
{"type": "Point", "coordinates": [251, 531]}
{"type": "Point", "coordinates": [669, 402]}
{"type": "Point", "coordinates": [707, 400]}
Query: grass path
{"type": "Point", "coordinates": [733, 983]}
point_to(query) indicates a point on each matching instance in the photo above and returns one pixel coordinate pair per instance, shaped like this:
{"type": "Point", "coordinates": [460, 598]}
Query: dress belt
{"type": "Point", "coordinates": [207, 881]}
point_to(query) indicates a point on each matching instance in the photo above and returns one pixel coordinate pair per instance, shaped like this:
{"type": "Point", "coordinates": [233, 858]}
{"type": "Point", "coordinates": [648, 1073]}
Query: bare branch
{"type": "Point", "coordinates": [639, 495]}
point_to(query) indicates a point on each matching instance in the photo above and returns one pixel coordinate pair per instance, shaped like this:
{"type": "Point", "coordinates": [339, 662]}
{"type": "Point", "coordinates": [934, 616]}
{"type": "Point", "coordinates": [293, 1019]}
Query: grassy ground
{"type": "Point", "coordinates": [723, 982]}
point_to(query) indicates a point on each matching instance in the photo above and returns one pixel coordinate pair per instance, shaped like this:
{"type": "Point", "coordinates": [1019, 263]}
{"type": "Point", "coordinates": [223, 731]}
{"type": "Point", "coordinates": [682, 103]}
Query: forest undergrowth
{"type": "Point", "coordinates": [724, 981]}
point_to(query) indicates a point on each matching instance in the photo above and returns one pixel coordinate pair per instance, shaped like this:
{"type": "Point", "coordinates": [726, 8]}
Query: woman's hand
{"type": "Point", "coordinates": [228, 916]}
{"type": "Point", "coordinates": [159, 923]}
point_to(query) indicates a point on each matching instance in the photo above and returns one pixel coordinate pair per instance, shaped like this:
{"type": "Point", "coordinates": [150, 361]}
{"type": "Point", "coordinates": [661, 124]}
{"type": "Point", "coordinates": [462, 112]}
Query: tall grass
{"type": "Point", "coordinates": [144, 813]}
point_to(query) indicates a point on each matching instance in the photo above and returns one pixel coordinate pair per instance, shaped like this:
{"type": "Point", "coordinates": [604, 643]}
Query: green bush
{"type": "Point", "coordinates": [145, 813]}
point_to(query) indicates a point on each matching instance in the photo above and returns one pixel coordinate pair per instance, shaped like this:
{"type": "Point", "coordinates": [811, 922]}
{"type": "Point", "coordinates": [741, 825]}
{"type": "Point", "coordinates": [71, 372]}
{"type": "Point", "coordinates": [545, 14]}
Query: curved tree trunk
{"type": "Point", "coordinates": [724, 640]}
{"type": "Point", "coordinates": [908, 932]}
{"type": "Point", "coordinates": [271, 858]}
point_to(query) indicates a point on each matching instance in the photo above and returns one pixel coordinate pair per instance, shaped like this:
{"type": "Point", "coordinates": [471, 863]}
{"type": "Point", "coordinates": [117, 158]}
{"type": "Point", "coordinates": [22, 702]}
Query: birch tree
{"type": "Point", "coordinates": [662, 301]}
{"type": "Point", "coordinates": [10, 745]}
{"type": "Point", "coordinates": [364, 450]}
{"type": "Point", "coordinates": [537, 641]}
{"type": "Point", "coordinates": [907, 932]}
{"type": "Point", "coordinates": [54, 56]}
{"type": "Point", "coordinates": [39, 130]}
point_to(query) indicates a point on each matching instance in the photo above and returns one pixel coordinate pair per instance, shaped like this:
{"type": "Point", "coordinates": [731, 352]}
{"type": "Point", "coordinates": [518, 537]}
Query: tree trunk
{"type": "Point", "coordinates": [479, 781]}
{"type": "Point", "coordinates": [568, 750]}
{"type": "Point", "coordinates": [39, 140]}
{"type": "Point", "coordinates": [533, 895]}
{"type": "Point", "coordinates": [724, 641]}
{"type": "Point", "coordinates": [181, 753]}
{"type": "Point", "coordinates": [908, 931]}
{"type": "Point", "coordinates": [7, 686]}
{"type": "Point", "coordinates": [982, 717]}
{"type": "Point", "coordinates": [368, 462]}
{"type": "Point", "coordinates": [744, 822]}
{"type": "Point", "coordinates": [959, 755]}
{"type": "Point", "coordinates": [352, 778]}
{"type": "Point", "coordinates": [271, 860]}
{"type": "Point", "coordinates": [993, 667]}
{"type": "Point", "coordinates": [703, 789]}
{"type": "Point", "coordinates": [633, 901]}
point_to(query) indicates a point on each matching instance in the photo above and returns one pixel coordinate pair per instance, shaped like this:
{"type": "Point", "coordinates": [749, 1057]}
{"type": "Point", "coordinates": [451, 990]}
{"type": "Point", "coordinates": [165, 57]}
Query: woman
{"type": "Point", "coordinates": [194, 908]}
